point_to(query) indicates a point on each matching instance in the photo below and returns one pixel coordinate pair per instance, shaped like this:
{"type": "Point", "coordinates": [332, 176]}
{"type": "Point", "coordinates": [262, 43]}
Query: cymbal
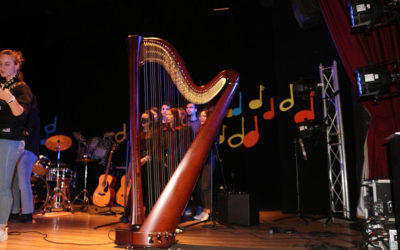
{"type": "Point", "coordinates": [58, 142]}
{"type": "Point", "coordinates": [86, 160]}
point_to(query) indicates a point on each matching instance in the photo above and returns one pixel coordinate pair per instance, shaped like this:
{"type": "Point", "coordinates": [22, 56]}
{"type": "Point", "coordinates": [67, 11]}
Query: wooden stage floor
{"type": "Point", "coordinates": [65, 230]}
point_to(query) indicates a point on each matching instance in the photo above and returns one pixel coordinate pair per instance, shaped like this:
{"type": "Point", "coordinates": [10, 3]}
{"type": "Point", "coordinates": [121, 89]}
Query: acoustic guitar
{"type": "Point", "coordinates": [125, 181]}
{"type": "Point", "coordinates": [104, 194]}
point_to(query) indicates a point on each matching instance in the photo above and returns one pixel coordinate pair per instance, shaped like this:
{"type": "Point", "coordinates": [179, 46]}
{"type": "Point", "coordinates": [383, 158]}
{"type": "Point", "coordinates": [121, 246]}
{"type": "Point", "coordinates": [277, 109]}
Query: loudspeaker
{"type": "Point", "coordinates": [307, 13]}
{"type": "Point", "coordinates": [237, 209]}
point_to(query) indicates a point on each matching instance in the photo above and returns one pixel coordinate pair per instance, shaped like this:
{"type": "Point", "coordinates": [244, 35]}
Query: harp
{"type": "Point", "coordinates": [157, 229]}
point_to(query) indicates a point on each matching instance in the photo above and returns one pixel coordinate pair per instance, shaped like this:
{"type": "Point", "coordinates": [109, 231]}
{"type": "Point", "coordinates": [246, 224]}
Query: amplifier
{"type": "Point", "coordinates": [237, 208]}
{"type": "Point", "coordinates": [378, 197]}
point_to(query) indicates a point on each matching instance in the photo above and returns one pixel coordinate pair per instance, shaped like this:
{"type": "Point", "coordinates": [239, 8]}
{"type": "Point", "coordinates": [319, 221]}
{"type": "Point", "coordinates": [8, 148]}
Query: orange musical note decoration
{"type": "Point", "coordinates": [222, 136]}
{"type": "Point", "coordinates": [306, 115]}
{"type": "Point", "coordinates": [251, 138]}
{"type": "Point", "coordinates": [257, 103]}
{"type": "Point", "coordinates": [268, 115]}
{"type": "Point", "coordinates": [240, 136]}
{"type": "Point", "coordinates": [289, 100]}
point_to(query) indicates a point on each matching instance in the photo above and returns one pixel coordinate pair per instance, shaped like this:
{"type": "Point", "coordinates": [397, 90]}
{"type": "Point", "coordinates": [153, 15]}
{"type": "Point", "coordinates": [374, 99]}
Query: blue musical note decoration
{"type": "Point", "coordinates": [49, 128]}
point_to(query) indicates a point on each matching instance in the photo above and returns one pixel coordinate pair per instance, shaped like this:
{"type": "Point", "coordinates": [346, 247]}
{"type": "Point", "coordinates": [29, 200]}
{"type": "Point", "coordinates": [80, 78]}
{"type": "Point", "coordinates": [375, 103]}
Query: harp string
{"type": "Point", "coordinates": [167, 145]}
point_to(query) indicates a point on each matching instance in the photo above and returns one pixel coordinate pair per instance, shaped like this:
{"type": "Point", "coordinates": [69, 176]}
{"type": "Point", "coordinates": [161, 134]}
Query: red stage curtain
{"type": "Point", "coordinates": [357, 50]}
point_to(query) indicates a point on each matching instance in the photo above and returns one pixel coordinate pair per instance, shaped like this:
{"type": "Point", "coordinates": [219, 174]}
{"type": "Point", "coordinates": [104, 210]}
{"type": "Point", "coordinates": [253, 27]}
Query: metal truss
{"type": "Point", "coordinates": [339, 195]}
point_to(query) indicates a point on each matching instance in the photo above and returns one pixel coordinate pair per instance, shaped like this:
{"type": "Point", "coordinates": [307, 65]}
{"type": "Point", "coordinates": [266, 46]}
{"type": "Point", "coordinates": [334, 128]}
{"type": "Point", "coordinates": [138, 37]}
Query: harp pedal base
{"type": "Point", "coordinates": [130, 237]}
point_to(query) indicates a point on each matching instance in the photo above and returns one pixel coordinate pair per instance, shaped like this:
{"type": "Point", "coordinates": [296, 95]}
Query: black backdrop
{"type": "Point", "coordinates": [76, 63]}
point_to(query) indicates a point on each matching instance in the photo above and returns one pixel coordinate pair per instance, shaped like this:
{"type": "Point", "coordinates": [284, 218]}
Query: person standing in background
{"type": "Point", "coordinates": [192, 120]}
{"type": "Point", "coordinates": [22, 187]}
{"type": "Point", "coordinates": [202, 192]}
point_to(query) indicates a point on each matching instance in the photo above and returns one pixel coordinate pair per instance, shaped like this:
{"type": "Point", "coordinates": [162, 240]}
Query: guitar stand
{"type": "Point", "coordinates": [123, 219]}
{"type": "Point", "coordinates": [108, 212]}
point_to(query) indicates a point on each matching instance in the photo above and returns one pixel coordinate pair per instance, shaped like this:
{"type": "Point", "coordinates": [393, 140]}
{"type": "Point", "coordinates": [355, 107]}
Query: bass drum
{"type": "Point", "coordinates": [40, 192]}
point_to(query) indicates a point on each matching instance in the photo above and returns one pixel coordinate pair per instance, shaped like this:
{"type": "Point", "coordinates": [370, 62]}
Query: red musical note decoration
{"type": "Point", "coordinates": [251, 138]}
{"type": "Point", "coordinates": [306, 115]}
{"type": "Point", "coordinates": [268, 115]}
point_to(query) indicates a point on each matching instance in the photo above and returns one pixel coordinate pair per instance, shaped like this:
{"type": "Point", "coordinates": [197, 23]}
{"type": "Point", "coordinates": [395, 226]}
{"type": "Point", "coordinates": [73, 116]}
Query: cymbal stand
{"type": "Point", "coordinates": [86, 195]}
{"type": "Point", "coordinates": [58, 198]}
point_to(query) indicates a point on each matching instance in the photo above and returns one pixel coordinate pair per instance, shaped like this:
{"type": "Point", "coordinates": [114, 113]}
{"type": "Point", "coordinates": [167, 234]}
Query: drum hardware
{"type": "Point", "coordinates": [59, 196]}
{"type": "Point", "coordinates": [40, 192]}
{"type": "Point", "coordinates": [86, 195]}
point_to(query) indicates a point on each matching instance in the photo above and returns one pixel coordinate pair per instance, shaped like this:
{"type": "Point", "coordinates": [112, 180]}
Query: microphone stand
{"type": "Point", "coordinates": [297, 178]}
{"type": "Point", "coordinates": [299, 214]}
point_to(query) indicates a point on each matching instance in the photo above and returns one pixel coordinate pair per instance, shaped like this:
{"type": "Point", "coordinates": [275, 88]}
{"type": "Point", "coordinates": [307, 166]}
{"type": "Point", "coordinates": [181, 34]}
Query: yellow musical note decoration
{"type": "Point", "coordinates": [121, 133]}
{"type": "Point", "coordinates": [257, 103]}
{"type": "Point", "coordinates": [222, 137]}
{"type": "Point", "coordinates": [240, 136]}
{"type": "Point", "coordinates": [288, 100]}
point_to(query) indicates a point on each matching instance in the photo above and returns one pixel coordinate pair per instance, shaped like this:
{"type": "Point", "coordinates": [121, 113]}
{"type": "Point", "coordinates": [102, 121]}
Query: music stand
{"type": "Point", "coordinates": [86, 195]}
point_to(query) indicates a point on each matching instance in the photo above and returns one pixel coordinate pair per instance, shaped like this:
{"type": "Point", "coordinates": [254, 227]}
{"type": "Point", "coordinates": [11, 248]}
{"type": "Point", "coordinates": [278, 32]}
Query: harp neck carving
{"type": "Point", "coordinates": [161, 52]}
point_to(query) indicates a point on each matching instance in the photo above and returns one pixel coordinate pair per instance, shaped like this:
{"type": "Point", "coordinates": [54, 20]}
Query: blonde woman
{"type": "Point", "coordinates": [15, 100]}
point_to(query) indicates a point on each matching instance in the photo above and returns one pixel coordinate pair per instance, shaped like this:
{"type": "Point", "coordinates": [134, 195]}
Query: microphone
{"type": "Point", "coordinates": [303, 150]}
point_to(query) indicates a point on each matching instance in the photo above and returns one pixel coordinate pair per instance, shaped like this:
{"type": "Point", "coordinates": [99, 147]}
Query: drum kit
{"type": "Point", "coordinates": [59, 174]}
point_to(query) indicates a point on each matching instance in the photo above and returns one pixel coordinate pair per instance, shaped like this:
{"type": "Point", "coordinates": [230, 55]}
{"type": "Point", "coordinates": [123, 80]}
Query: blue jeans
{"type": "Point", "coordinates": [10, 151]}
{"type": "Point", "coordinates": [22, 187]}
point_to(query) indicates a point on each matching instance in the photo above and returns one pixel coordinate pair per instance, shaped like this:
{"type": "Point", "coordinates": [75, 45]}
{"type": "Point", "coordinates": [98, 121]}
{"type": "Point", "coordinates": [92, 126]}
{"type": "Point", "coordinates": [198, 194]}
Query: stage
{"type": "Point", "coordinates": [85, 230]}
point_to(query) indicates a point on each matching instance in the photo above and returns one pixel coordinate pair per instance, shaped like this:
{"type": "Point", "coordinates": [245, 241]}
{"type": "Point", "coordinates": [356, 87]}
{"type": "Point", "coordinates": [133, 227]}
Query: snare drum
{"type": "Point", "coordinates": [41, 165]}
{"type": "Point", "coordinates": [65, 173]}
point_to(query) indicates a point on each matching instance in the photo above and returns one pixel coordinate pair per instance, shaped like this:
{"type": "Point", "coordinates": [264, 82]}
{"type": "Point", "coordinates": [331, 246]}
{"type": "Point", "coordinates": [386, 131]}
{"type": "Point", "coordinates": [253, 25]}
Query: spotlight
{"type": "Point", "coordinates": [365, 14]}
{"type": "Point", "coordinates": [303, 87]}
{"type": "Point", "coordinates": [308, 129]}
{"type": "Point", "coordinates": [373, 81]}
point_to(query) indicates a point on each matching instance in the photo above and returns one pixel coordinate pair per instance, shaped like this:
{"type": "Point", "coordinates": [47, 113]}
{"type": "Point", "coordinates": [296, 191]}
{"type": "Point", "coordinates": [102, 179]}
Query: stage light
{"type": "Point", "coordinates": [308, 129]}
{"type": "Point", "coordinates": [373, 81]}
{"type": "Point", "coordinates": [303, 87]}
{"type": "Point", "coordinates": [364, 14]}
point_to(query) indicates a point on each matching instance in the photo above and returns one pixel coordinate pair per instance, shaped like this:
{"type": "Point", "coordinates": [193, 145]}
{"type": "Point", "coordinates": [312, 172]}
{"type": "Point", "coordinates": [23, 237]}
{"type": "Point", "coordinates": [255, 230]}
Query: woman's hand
{"type": "Point", "coordinates": [15, 107]}
{"type": "Point", "coordinates": [5, 94]}
{"type": "Point", "coordinates": [144, 160]}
